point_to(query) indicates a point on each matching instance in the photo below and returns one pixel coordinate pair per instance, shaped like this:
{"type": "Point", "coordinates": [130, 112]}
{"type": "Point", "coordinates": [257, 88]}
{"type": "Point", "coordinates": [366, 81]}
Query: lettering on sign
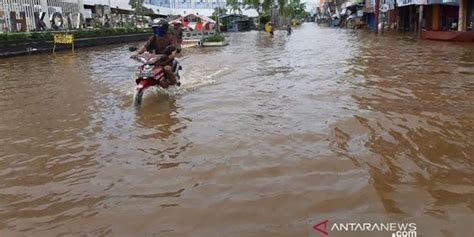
{"type": "Point", "coordinates": [81, 22]}
{"type": "Point", "coordinates": [18, 21]}
{"type": "Point", "coordinates": [57, 20]}
{"type": "Point", "coordinates": [69, 20]}
{"type": "Point", "coordinates": [39, 19]}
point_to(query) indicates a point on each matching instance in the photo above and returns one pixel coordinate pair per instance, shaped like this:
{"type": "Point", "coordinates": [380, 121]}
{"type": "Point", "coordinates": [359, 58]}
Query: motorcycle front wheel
{"type": "Point", "coordinates": [138, 97]}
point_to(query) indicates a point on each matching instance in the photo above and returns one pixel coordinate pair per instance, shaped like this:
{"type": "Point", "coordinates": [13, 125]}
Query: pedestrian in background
{"type": "Point", "coordinates": [269, 28]}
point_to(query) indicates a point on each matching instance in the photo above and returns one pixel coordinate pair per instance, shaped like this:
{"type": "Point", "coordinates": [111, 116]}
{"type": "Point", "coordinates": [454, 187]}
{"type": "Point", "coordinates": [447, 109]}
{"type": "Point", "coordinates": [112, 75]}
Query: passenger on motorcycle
{"type": "Point", "coordinates": [177, 34]}
{"type": "Point", "coordinates": [158, 44]}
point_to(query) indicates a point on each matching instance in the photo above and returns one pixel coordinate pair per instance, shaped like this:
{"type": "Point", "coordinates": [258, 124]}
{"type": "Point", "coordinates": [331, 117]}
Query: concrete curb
{"type": "Point", "coordinates": [215, 44]}
{"type": "Point", "coordinates": [26, 48]}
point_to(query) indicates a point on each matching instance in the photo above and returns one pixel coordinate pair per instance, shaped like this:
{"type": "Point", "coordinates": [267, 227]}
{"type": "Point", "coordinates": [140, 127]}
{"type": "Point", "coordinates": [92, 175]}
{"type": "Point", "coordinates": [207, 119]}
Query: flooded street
{"type": "Point", "coordinates": [262, 136]}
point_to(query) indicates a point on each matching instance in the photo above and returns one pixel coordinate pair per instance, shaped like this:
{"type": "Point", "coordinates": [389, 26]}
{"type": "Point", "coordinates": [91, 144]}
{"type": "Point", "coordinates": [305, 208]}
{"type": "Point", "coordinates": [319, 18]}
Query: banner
{"type": "Point", "coordinates": [402, 3]}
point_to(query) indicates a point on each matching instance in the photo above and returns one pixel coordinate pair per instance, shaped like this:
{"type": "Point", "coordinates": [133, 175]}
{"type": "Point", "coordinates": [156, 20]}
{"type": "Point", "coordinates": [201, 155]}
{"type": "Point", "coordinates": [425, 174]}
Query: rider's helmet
{"type": "Point", "coordinates": [160, 27]}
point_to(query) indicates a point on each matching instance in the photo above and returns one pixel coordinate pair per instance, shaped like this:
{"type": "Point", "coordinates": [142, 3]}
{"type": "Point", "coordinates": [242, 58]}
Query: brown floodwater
{"type": "Point", "coordinates": [264, 135]}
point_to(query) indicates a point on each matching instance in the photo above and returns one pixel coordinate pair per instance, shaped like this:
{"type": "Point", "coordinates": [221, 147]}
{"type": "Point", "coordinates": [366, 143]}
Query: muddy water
{"type": "Point", "coordinates": [263, 136]}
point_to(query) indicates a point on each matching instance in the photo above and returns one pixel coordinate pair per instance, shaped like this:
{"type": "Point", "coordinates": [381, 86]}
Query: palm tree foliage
{"type": "Point", "coordinates": [291, 8]}
{"type": "Point", "coordinates": [235, 6]}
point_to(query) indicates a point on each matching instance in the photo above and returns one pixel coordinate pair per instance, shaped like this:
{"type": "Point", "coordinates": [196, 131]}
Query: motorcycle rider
{"type": "Point", "coordinates": [158, 44]}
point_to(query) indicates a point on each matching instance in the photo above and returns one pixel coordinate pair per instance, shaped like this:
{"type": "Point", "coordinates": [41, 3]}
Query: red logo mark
{"type": "Point", "coordinates": [323, 229]}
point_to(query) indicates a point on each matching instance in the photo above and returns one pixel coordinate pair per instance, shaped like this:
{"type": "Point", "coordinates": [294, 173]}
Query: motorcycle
{"type": "Point", "coordinates": [151, 74]}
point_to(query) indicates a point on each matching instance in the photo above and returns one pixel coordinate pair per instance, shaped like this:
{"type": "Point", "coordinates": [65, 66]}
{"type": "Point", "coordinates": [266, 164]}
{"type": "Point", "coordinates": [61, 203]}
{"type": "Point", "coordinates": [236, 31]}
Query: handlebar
{"type": "Point", "coordinates": [149, 61]}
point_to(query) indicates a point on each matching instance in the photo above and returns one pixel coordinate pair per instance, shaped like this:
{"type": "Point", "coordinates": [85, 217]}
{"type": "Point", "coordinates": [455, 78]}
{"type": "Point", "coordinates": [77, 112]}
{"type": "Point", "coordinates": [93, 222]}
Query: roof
{"type": "Point", "coordinates": [229, 15]}
{"type": "Point", "coordinates": [185, 18]}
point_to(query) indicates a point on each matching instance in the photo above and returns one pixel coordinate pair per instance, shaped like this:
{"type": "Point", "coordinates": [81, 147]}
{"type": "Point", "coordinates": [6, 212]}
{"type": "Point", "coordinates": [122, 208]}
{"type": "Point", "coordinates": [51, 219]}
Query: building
{"type": "Point", "coordinates": [435, 15]}
{"type": "Point", "coordinates": [443, 15]}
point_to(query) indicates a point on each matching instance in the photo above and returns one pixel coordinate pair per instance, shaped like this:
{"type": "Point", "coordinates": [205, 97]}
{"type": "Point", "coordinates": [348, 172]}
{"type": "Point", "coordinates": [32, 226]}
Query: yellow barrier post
{"type": "Point", "coordinates": [63, 39]}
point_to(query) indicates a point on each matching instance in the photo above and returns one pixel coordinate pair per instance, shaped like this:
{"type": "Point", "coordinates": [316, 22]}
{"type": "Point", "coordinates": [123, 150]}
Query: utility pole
{"type": "Point", "coordinates": [136, 17]}
{"type": "Point", "coordinates": [218, 29]}
{"type": "Point", "coordinates": [110, 15]}
{"type": "Point", "coordinates": [462, 24]}
{"type": "Point", "coordinates": [420, 21]}
{"type": "Point", "coordinates": [376, 13]}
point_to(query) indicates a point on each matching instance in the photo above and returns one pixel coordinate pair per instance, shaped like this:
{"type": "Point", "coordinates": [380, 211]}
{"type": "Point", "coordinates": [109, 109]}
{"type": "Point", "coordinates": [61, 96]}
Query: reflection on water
{"type": "Point", "coordinates": [160, 115]}
{"type": "Point", "coordinates": [264, 134]}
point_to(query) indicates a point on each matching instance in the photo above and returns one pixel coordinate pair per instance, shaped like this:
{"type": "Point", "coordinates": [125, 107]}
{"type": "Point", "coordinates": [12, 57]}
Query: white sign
{"type": "Point", "coordinates": [40, 14]}
{"type": "Point", "coordinates": [402, 3]}
{"type": "Point", "coordinates": [384, 8]}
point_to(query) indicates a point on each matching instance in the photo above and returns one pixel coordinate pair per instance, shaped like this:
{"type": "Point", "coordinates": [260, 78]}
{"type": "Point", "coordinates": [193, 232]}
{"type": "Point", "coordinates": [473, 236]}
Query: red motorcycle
{"type": "Point", "coordinates": [150, 74]}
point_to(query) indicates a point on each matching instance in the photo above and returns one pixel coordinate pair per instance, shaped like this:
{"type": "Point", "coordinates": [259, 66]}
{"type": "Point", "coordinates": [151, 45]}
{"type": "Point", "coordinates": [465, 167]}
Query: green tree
{"type": "Point", "coordinates": [298, 9]}
{"type": "Point", "coordinates": [295, 9]}
{"type": "Point", "coordinates": [261, 6]}
{"type": "Point", "coordinates": [219, 11]}
{"type": "Point", "coordinates": [139, 9]}
{"type": "Point", "coordinates": [283, 8]}
{"type": "Point", "coordinates": [234, 6]}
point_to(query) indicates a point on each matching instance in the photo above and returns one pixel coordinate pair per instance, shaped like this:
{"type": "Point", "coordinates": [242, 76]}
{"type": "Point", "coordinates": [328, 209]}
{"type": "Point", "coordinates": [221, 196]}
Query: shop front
{"type": "Point", "coordinates": [449, 20]}
{"type": "Point", "coordinates": [408, 14]}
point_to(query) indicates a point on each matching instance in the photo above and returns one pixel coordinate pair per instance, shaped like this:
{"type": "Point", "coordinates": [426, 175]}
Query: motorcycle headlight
{"type": "Point", "coordinates": [147, 68]}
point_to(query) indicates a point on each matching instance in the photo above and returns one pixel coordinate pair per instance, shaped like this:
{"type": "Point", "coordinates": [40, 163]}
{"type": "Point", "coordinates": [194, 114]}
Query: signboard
{"type": "Point", "coordinates": [63, 39]}
{"type": "Point", "coordinates": [29, 15]}
{"type": "Point", "coordinates": [384, 8]}
{"type": "Point", "coordinates": [402, 3]}
{"type": "Point", "coordinates": [451, 1]}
